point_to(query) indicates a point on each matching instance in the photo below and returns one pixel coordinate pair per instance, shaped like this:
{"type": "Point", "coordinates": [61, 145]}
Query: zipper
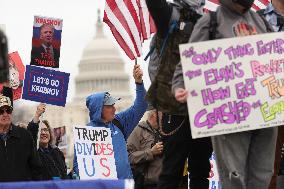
{"type": "Point", "coordinates": [170, 118]}
{"type": "Point", "coordinates": [6, 152]}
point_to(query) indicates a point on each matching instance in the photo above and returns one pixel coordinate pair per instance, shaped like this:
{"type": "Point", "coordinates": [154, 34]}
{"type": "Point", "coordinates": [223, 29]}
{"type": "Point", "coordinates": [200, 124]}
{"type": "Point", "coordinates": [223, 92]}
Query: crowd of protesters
{"type": "Point", "coordinates": [154, 152]}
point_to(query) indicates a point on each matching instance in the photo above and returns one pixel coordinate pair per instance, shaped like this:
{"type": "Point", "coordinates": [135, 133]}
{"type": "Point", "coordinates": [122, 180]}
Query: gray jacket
{"type": "Point", "coordinates": [228, 26]}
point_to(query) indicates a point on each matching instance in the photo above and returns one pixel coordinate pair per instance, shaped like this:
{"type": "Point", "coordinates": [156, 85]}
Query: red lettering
{"type": "Point", "coordinates": [107, 174]}
{"type": "Point", "coordinates": [104, 149]}
{"type": "Point", "coordinates": [211, 174]}
{"type": "Point", "coordinates": [48, 21]}
{"type": "Point", "coordinates": [37, 20]}
{"type": "Point", "coordinates": [109, 147]}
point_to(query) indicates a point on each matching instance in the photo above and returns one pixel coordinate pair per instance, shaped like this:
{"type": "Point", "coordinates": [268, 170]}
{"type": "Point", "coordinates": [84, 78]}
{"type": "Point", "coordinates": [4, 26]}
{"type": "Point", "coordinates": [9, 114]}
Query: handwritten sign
{"type": "Point", "coordinates": [234, 84]}
{"type": "Point", "coordinates": [46, 42]}
{"type": "Point", "coordinates": [45, 85]}
{"type": "Point", "coordinates": [94, 150]}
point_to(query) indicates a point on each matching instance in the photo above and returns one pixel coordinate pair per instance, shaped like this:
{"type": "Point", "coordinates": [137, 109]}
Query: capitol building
{"type": "Point", "coordinates": [100, 69]}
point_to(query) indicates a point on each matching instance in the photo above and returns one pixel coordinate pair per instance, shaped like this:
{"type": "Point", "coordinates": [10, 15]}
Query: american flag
{"type": "Point", "coordinates": [258, 4]}
{"type": "Point", "coordinates": [130, 23]}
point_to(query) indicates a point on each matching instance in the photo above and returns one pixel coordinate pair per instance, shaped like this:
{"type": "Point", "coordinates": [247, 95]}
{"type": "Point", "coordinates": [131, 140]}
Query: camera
{"type": "Point", "coordinates": [4, 63]}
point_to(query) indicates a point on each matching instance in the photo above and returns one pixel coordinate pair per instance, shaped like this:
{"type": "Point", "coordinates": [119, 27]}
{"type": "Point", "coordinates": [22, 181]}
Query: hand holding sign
{"type": "Point", "coordinates": [181, 95]}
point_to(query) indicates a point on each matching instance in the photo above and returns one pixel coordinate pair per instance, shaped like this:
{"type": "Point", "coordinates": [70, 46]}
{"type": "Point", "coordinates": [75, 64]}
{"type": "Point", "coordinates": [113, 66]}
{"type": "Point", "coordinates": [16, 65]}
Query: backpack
{"type": "Point", "coordinates": [164, 56]}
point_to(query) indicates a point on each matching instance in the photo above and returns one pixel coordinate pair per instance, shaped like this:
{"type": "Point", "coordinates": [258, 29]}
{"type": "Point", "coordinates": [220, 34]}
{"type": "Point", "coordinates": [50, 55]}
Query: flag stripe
{"type": "Point", "coordinates": [119, 32]}
{"type": "Point", "coordinates": [133, 22]}
{"type": "Point", "coordinates": [119, 9]}
{"type": "Point", "coordinates": [130, 23]}
{"type": "Point", "coordinates": [145, 19]}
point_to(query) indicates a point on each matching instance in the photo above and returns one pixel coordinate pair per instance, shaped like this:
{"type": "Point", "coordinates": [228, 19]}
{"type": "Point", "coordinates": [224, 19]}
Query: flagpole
{"type": "Point", "coordinates": [135, 61]}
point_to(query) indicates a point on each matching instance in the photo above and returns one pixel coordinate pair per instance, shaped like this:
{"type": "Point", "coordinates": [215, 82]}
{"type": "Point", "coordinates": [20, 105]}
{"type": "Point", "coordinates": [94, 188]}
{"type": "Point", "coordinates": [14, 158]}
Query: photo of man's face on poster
{"type": "Point", "coordinates": [46, 34]}
{"type": "Point", "coordinates": [46, 42]}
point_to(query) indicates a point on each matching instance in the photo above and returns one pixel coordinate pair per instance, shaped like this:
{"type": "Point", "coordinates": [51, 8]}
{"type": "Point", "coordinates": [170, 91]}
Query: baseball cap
{"type": "Point", "coordinates": [109, 100]}
{"type": "Point", "coordinates": [5, 101]}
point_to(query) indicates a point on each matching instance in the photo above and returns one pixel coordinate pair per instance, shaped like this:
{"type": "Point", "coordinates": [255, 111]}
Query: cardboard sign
{"type": "Point", "coordinates": [45, 85]}
{"type": "Point", "coordinates": [17, 73]}
{"type": "Point", "coordinates": [234, 84]}
{"type": "Point", "coordinates": [46, 42]}
{"type": "Point", "coordinates": [94, 150]}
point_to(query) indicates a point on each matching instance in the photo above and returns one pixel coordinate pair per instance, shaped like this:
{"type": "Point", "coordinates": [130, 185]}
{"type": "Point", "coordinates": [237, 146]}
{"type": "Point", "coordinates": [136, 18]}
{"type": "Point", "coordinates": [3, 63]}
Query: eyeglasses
{"type": "Point", "coordinates": [8, 110]}
{"type": "Point", "coordinates": [44, 130]}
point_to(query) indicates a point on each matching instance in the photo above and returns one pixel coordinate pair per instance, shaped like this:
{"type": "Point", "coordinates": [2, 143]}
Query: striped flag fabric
{"type": "Point", "coordinates": [130, 24]}
{"type": "Point", "coordinates": [258, 4]}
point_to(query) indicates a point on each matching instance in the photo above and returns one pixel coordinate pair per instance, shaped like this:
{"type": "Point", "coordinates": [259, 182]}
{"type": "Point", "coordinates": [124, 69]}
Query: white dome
{"type": "Point", "coordinates": [101, 68]}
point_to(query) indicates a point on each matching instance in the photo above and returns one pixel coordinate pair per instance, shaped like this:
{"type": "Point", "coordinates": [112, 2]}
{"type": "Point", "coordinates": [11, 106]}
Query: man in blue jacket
{"type": "Point", "coordinates": [102, 114]}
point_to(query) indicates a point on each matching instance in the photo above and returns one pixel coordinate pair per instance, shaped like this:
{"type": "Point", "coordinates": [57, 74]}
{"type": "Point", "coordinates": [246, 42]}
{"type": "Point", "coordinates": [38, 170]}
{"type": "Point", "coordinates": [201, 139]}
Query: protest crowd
{"type": "Point", "coordinates": [163, 151]}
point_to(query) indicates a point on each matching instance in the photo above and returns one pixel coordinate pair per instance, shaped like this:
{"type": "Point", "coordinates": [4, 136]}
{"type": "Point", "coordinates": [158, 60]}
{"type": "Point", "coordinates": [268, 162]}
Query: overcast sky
{"type": "Point", "coordinates": [79, 18]}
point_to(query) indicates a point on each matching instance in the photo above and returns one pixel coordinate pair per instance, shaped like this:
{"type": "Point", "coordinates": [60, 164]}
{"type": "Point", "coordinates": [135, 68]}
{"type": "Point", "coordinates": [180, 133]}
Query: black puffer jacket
{"type": "Point", "coordinates": [52, 158]}
{"type": "Point", "coordinates": [18, 157]}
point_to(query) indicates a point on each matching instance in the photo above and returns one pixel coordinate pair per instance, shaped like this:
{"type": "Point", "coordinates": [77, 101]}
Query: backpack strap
{"type": "Point", "coordinates": [173, 26]}
{"type": "Point", "coordinates": [213, 25]}
{"type": "Point", "coordinates": [260, 12]}
{"type": "Point", "coordinates": [120, 126]}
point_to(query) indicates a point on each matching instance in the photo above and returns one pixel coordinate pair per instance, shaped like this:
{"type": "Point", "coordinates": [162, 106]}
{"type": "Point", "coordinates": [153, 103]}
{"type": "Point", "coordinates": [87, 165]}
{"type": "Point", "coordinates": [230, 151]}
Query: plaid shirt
{"type": "Point", "coordinates": [271, 15]}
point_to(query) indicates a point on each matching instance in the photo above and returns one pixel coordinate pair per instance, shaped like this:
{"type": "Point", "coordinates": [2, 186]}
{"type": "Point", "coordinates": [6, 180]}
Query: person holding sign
{"type": "Point", "coordinates": [45, 55]}
{"type": "Point", "coordinates": [175, 22]}
{"type": "Point", "coordinates": [245, 159]}
{"type": "Point", "coordinates": [102, 114]}
{"type": "Point", "coordinates": [51, 157]}
{"type": "Point", "coordinates": [274, 14]}
{"type": "Point", "coordinates": [18, 156]}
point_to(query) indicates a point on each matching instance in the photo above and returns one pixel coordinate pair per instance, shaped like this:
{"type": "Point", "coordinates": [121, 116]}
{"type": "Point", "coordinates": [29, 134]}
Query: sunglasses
{"type": "Point", "coordinates": [8, 110]}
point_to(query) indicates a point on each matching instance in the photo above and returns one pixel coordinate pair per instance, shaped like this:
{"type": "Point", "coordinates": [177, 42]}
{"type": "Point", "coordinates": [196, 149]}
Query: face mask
{"type": "Point", "coordinates": [245, 3]}
{"type": "Point", "coordinates": [195, 3]}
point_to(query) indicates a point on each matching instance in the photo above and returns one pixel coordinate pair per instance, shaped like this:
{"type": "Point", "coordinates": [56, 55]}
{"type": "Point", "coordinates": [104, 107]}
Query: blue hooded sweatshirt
{"type": "Point", "coordinates": [128, 119]}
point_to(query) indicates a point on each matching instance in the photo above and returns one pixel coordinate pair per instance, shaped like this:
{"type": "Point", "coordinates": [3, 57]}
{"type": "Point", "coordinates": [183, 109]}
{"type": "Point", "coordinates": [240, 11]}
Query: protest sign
{"type": "Point", "coordinates": [214, 182]}
{"type": "Point", "coordinates": [234, 84]}
{"type": "Point", "coordinates": [45, 85]}
{"type": "Point", "coordinates": [94, 150]}
{"type": "Point", "coordinates": [16, 75]}
{"type": "Point", "coordinates": [60, 136]}
{"type": "Point", "coordinates": [46, 42]}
